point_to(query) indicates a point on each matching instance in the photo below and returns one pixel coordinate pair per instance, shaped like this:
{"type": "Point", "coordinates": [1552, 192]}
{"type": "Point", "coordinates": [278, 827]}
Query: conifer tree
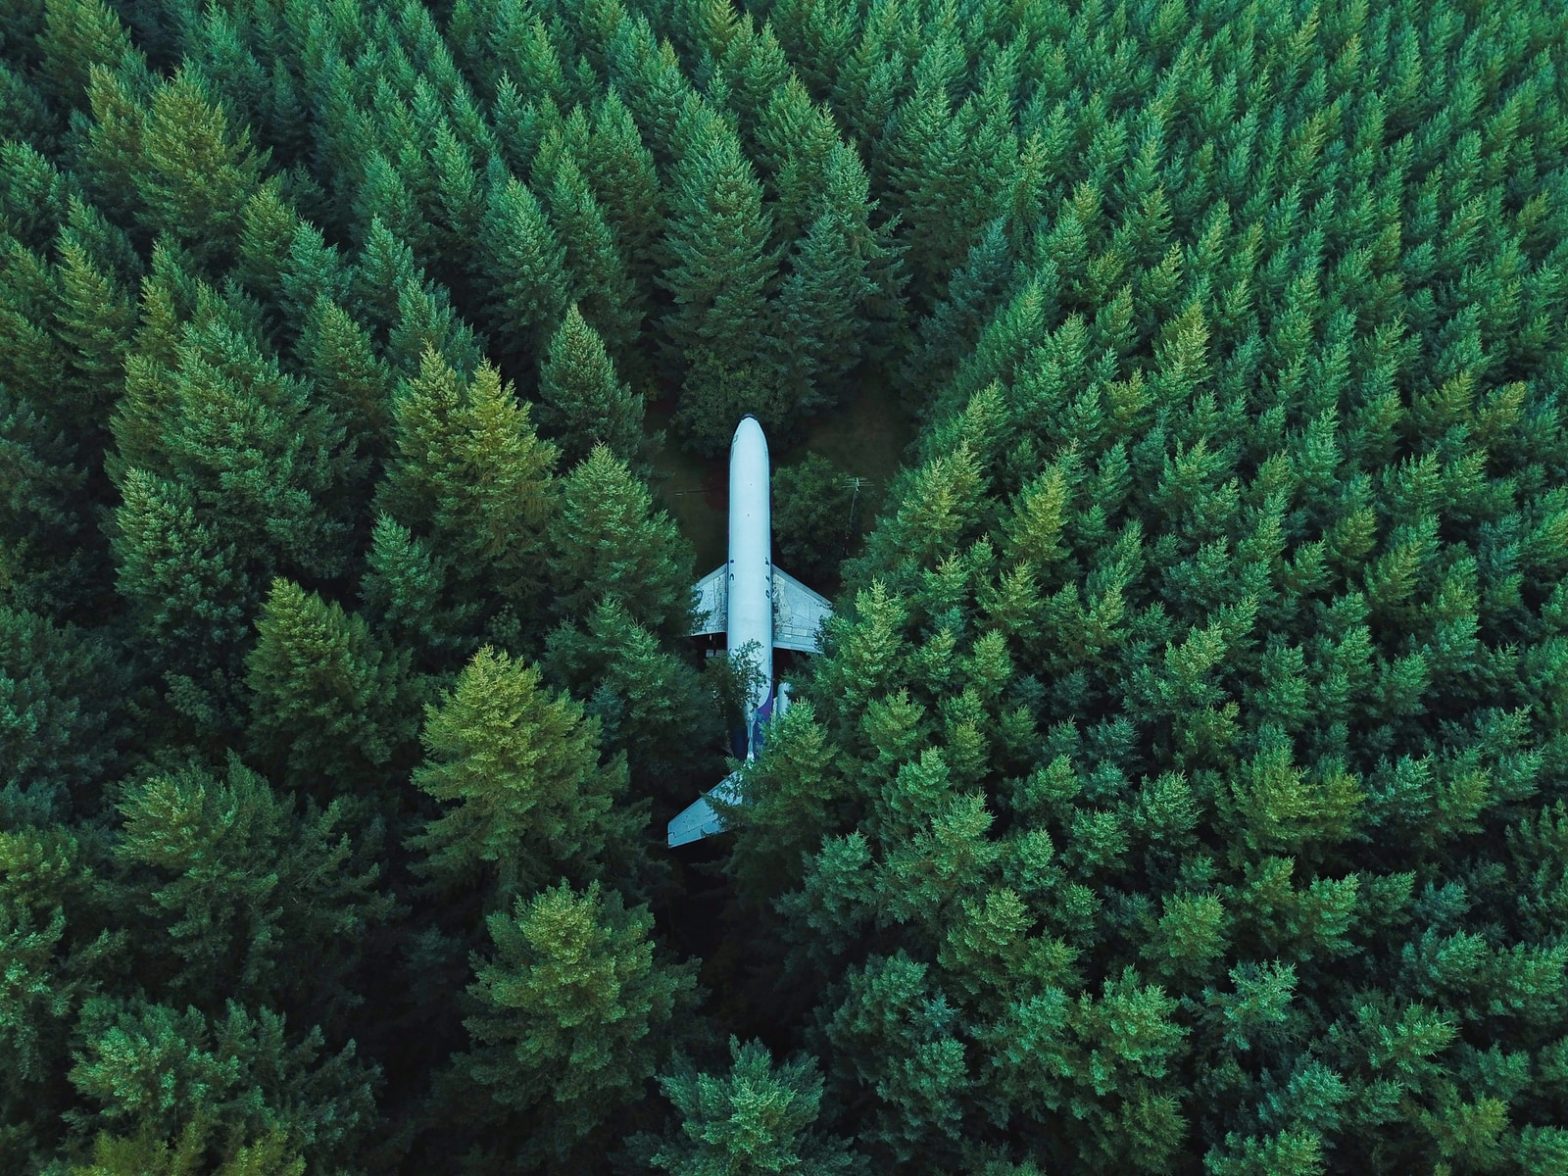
{"type": "Point", "coordinates": [336, 710]}
{"type": "Point", "coordinates": [264, 461]}
{"type": "Point", "coordinates": [337, 354]}
{"type": "Point", "coordinates": [189, 593]}
{"type": "Point", "coordinates": [582, 401]}
{"type": "Point", "coordinates": [237, 875]}
{"type": "Point", "coordinates": [468, 471]}
{"type": "Point", "coordinates": [527, 796]}
{"type": "Point", "coordinates": [63, 694]}
{"type": "Point", "coordinates": [649, 701]}
{"type": "Point", "coordinates": [600, 278]}
{"type": "Point", "coordinates": [826, 293]}
{"type": "Point", "coordinates": [755, 1118]}
{"type": "Point", "coordinates": [608, 542]}
{"type": "Point", "coordinates": [720, 280]}
{"type": "Point", "coordinates": [812, 524]}
{"type": "Point", "coordinates": [77, 35]}
{"type": "Point", "coordinates": [525, 268]}
{"type": "Point", "coordinates": [575, 1013]}
{"type": "Point", "coordinates": [625, 180]}
{"type": "Point", "coordinates": [408, 594]}
{"type": "Point", "coordinates": [95, 318]}
{"type": "Point", "coordinates": [58, 949]}
{"type": "Point", "coordinates": [150, 1071]}
{"type": "Point", "coordinates": [194, 175]}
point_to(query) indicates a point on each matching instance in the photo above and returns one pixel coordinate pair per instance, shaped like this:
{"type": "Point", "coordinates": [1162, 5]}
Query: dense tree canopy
{"type": "Point", "coordinates": [1181, 787]}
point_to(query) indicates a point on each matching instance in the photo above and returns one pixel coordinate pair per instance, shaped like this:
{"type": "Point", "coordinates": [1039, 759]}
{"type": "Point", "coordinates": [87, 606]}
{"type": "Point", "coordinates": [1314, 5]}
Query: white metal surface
{"type": "Point", "coordinates": [798, 613]}
{"type": "Point", "coordinates": [712, 609]}
{"type": "Point", "coordinates": [749, 590]}
{"type": "Point", "coordinates": [750, 601]}
{"type": "Point", "coordinates": [699, 819]}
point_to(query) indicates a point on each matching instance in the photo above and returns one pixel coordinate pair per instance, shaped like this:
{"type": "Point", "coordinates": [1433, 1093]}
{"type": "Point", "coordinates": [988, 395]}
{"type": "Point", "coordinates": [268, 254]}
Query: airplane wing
{"type": "Point", "coordinates": [798, 613]}
{"type": "Point", "coordinates": [710, 603]}
{"type": "Point", "coordinates": [700, 819]}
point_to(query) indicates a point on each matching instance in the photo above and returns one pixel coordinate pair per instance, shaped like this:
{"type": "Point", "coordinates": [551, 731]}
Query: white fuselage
{"type": "Point", "coordinates": [749, 591]}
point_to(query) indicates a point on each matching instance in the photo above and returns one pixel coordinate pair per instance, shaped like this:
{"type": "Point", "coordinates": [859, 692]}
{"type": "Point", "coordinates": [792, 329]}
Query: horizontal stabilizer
{"type": "Point", "coordinates": [700, 819]}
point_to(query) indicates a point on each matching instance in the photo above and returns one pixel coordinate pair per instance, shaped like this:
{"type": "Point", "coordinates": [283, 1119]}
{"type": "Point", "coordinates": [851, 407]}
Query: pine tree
{"type": "Point", "coordinates": [527, 797]}
{"type": "Point", "coordinates": [600, 278]}
{"type": "Point", "coordinates": [195, 177]}
{"type": "Point", "coordinates": [58, 947]}
{"type": "Point", "coordinates": [189, 593]}
{"type": "Point", "coordinates": [626, 182]}
{"type": "Point", "coordinates": [582, 402]}
{"type": "Point", "coordinates": [236, 875]}
{"type": "Point", "coordinates": [337, 710]}
{"type": "Point", "coordinates": [63, 693]}
{"type": "Point", "coordinates": [525, 268]}
{"type": "Point", "coordinates": [337, 354]}
{"type": "Point", "coordinates": [468, 471]}
{"type": "Point", "coordinates": [407, 591]}
{"type": "Point", "coordinates": [147, 1070]}
{"type": "Point", "coordinates": [95, 319]}
{"type": "Point", "coordinates": [607, 542]}
{"type": "Point", "coordinates": [754, 1119]}
{"type": "Point", "coordinates": [720, 280]}
{"type": "Point", "coordinates": [78, 35]}
{"type": "Point", "coordinates": [826, 294]}
{"type": "Point", "coordinates": [649, 701]}
{"type": "Point", "coordinates": [956, 320]}
{"type": "Point", "coordinates": [812, 524]}
{"type": "Point", "coordinates": [265, 462]}
{"type": "Point", "coordinates": [575, 1015]}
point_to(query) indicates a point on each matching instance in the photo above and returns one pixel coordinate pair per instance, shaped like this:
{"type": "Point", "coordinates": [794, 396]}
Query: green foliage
{"type": "Point", "coordinates": [721, 272]}
{"type": "Point", "coordinates": [62, 718]}
{"type": "Point", "coordinates": [469, 474]}
{"type": "Point", "coordinates": [649, 701]}
{"type": "Point", "coordinates": [607, 541]}
{"type": "Point", "coordinates": [194, 175]}
{"type": "Point", "coordinates": [1180, 786]}
{"type": "Point", "coordinates": [582, 402]}
{"type": "Point", "coordinates": [237, 873]}
{"type": "Point", "coordinates": [329, 704]}
{"type": "Point", "coordinates": [527, 797]}
{"type": "Point", "coordinates": [817, 515]}
{"type": "Point", "coordinates": [150, 1071]}
{"type": "Point", "coordinates": [575, 1014]}
{"type": "Point", "coordinates": [753, 1119]}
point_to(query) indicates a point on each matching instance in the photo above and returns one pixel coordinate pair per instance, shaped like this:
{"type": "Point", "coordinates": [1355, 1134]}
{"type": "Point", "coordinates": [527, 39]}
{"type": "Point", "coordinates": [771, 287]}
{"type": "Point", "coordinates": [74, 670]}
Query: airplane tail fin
{"type": "Point", "coordinates": [700, 819]}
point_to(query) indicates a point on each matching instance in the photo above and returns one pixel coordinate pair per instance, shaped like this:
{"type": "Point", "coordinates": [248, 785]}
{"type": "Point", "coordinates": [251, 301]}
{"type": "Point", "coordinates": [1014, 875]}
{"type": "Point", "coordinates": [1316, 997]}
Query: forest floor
{"type": "Point", "coordinates": [864, 437]}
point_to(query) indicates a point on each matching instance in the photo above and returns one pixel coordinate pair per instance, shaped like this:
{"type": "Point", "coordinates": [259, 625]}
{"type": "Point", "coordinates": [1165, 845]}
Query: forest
{"type": "Point", "coordinates": [1183, 784]}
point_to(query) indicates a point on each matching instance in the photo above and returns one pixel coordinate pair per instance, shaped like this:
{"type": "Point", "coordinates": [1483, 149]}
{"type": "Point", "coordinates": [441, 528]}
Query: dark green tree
{"type": "Point", "coordinates": [235, 875]}
{"type": "Point", "coordinates": [525, 793]}
{"type": "Point", "coordinates": [582, 401]}
{"type": "Point", "coordinates": [337, 711]}
{"type": "Point", "coordinates": [753, 1119]}
{"type": "Point", "coordinates": [817, 516]}
{"type": "Point", "coordinates": [608, 541]}
{"type": "Point", "coordinates": [720, 278]}
{"type": "Point", "coordinates": [194, 175]}
{"type": "Point", "coordinates": [145, 1070]}
{"type": "Point", "coordinates": [649, 701]}
{"type": "Point", "coordinates": [64, 720]}
{"type": "Point", "coordinates": [576, 1012]}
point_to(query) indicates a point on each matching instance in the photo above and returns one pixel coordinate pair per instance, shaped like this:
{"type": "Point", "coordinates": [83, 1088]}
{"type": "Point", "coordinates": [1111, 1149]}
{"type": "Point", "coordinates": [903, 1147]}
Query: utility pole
{"type": "Point", "coordinates": [855, 483]}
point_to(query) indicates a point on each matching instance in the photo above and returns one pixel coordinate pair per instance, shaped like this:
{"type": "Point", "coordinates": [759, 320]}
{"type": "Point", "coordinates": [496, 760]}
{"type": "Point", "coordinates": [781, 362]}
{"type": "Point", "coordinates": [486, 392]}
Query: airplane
{"type": "Point", "coordinates": [753, 603]}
